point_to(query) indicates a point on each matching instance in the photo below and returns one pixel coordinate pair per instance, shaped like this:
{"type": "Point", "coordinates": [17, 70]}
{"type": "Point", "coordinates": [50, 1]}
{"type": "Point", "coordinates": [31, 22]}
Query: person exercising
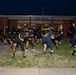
{"type": "Point", "coordinates": [20, 40]}
{"type": "Point", "coordinates": [46, 39]}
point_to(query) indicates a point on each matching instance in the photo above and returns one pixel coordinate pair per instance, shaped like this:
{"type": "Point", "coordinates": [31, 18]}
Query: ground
{"type": "Point", "coordinates": [62, 57]}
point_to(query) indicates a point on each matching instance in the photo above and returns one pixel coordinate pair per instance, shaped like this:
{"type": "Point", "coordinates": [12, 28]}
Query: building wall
{"type": "Point", "coordinates": [75, 20]}
{"type": "Point", "coordinates": [66, 25]}
{"type": "Point", "coordinates": [9, 23]}
{"type": "Point", "coordinates": [12, 23]}
{"type": "Point", "coordinates": [3, 24]}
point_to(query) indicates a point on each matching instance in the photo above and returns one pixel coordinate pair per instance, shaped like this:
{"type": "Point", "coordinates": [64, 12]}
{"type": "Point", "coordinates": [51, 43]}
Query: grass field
{"type": "Point", "coordinates": [62, 58]}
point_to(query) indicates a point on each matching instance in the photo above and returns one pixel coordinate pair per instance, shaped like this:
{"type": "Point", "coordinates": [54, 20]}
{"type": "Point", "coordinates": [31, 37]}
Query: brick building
{"type": "Point", "coordinates": [18, 21]}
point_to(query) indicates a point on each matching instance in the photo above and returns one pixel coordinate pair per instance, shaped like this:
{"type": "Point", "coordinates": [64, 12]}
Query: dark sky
{"type": "Point", "coordinates": [31, 7]}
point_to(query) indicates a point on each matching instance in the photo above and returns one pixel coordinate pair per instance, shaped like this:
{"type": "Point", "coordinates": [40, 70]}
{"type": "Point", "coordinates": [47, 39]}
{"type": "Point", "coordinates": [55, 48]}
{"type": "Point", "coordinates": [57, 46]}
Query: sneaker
{"type": "Point", "coordinates": [12, 56]}
{"type": "Point", "coordinates": [26, 50]}
{"type": "Point", "coordinates": [33, 50]}
{"type": "Point", "coordinates": [23, 56]}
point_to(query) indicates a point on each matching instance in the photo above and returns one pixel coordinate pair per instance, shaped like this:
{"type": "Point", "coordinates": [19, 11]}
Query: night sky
{"type": "Point", "coordinates": [38, 7]}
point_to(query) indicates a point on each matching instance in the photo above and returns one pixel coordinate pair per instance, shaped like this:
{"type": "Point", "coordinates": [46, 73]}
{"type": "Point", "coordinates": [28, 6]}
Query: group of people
{"type": "Point", "coordinates": [23, 38]}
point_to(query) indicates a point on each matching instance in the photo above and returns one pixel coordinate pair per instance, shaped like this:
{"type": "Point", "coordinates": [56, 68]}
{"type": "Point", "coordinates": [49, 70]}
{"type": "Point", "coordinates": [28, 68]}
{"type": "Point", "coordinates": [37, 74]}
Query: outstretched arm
{"type": "Point", "coordinates": [50, 31]}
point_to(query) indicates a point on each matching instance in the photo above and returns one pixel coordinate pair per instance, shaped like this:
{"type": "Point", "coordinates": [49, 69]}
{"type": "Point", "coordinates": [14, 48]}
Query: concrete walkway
{"type": "Point", "coordinates": [33, 71]}
{"type": "Point", "coordinates": [37, 71]}
{"type": "Point", "coordinates": [3, 48]}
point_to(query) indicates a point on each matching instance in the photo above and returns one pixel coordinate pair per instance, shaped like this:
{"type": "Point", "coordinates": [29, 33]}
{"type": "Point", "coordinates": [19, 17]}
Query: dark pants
{"type": "Point", "coordinates": [18, 41]}
{"type": "Point", "coordinates": [30, 41]}
{"type": "Point", "coordinates": [47, 42]}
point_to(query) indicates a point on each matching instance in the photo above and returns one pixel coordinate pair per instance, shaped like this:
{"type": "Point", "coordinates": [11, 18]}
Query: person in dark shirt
{"type": "Point", "coordinates": [14, 35]}
{"type": "Point", "coordinates": [73, 43]}
{"type": "Point", "coordinates": [71, 32]}
{"type": "Point", "coordinates": [9, 38]}
{"type": "Point", "coordinates": [20, 40]}
{"type": "Point", "coordinates": [57, 39]}
{"type": "Point", "coordinates": [1, 36]}
{"type": "Point", "coordinates": [46, 39]}
{"type": "Point", "coordinates": [29, 39]}
{"type": "Point", "coordinates": [74, 27]}
{"type": "Point", "coordinates": [39, 37]}
{"type": "Point", "coordinates": [5, 40]}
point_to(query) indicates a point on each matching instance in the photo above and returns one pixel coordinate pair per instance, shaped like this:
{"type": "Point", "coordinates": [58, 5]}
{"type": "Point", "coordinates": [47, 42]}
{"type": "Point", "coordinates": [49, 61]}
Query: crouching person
{"type": "Point", "coordinates": [19, 40]}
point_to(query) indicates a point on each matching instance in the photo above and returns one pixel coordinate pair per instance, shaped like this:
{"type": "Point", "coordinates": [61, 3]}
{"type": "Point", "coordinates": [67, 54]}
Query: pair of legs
{"type": "Point", "coordinates": [39, 40]}
{"type": "Point", "coordinates": [45, 47]}
{"type": "Point", "coordinates": [5, 41]}
{"type": "Point", "coordinates": [31, 43]}
{"type": "Point", "coordinates": [22, 48]}
{"type": "Point", "coordinates": [46, 43]}
{"type": "Point", "coordinates": [73, 44]}
{"type": "Point", "coordinates": [10, 42]}
{"type": "Point", "coordinates": [56, 43]}
{"type": "Point", "coordinates": [74, 50]}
